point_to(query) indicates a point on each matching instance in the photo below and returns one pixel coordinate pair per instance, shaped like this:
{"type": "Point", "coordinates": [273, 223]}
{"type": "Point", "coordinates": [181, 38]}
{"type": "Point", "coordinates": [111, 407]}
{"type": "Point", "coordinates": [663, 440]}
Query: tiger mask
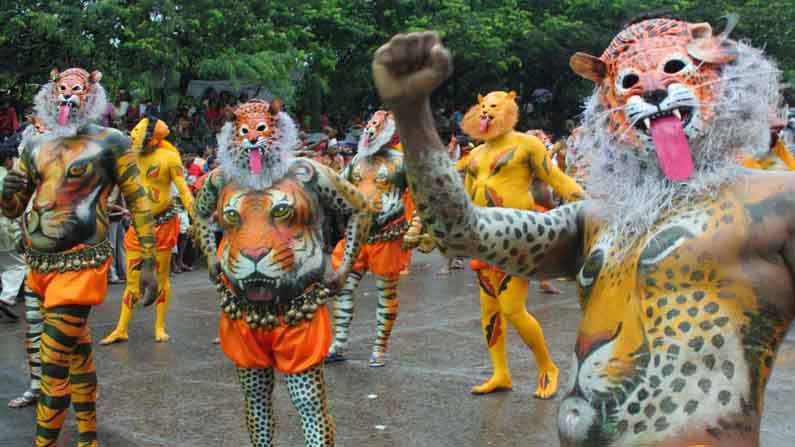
{"type": "Point", "coordinates": [675, 106]}
{"type": "Point", "coordinates": [255, 149]}
{"type": "Point", "coordinates": [658, 80]}
{"type": "Point", "coordinates": [271, 247]}
{"type": "Point", "coordinates": [379, 132]}
{"type": "Point", "coordinates": [493, 116]}
{"type": "Point", "coordinates": [70, 101]}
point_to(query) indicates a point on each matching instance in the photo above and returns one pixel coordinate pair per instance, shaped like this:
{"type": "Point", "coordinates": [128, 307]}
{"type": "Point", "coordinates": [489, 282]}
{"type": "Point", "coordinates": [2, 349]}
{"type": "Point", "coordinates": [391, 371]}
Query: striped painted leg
{"type": "Point", "coordinates": [343, 315]}
{"type": "Point", "coordinates": [385, 317]}
{"type": "Point", "coordinates": [68, 376]}
{"type": "Point", "coordinates": [32, 343]}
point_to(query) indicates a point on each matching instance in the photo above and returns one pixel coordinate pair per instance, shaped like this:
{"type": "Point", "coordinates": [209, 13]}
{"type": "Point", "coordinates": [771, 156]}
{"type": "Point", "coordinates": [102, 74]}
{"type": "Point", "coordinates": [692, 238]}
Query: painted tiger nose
{"type": "Point", "coordinates": [253, 139]}
{"type": "Point", "coordinates": [255, 254]}
{"type": "Point", "coordinates": [655, 97]}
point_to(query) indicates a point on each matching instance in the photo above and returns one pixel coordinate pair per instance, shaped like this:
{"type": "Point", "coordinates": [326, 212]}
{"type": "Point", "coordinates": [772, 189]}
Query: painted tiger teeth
{"type": "Point", "coordinates": [678, 114]}
{"type": "Point", "coordinates": [647, 122]}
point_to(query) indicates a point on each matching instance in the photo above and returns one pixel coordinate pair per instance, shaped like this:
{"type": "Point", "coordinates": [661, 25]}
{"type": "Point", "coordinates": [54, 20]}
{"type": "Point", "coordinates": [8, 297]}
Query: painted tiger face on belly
{"type": "Point", "coordinates": [272, 245]}
{"type": "Point", "coordinates": [68, 207]}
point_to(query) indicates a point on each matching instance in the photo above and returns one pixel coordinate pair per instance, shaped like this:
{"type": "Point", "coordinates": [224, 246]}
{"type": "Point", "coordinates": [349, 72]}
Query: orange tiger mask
{"type": "Point", "coordinates": [658, 80]}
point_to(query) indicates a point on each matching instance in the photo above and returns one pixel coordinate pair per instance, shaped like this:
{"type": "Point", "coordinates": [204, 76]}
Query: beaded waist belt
{"type": "Point", "coordinates": [266, 314]}
{"type": "Point", "coordinates": [166, 215]}
{"type": "Point", "coordinates": [390, 233]}
{"type": "Point", "coordinates": [70, 261]}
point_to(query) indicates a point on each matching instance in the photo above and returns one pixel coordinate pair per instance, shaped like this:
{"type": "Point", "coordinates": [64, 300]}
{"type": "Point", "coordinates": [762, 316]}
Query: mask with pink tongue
{"type": "Point", "coordinates": [484, 124]}
{"type": "Point", "coordinates": [63, 113]}
{"type": "Point", "coordinates": [255, 160]}
{"type": "Point", "coordinates": [672, 148]}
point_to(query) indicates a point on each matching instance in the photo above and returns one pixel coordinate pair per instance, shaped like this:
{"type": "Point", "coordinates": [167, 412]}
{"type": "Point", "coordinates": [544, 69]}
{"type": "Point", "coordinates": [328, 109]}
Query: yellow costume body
{"type": "Point", "coordinates": [778, 159]}
{"type": "Point", "coordinates": [160, 165]}
{"type": "Point", "coordinates": [499, 173]}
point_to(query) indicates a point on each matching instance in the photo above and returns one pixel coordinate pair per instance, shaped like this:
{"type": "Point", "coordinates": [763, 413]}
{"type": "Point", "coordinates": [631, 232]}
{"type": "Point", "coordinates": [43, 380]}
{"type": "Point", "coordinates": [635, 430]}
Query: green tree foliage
{"type": "Point", "coordinates": [519, 45]}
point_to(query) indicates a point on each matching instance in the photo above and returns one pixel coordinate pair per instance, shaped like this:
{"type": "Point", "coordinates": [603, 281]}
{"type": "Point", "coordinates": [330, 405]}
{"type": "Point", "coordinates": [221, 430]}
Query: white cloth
{"type": "Point", "coordinates": [14, 270]}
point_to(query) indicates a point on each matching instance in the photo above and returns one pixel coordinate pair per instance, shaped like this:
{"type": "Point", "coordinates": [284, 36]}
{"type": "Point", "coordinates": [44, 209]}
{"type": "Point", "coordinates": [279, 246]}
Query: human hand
{"type": "Point", "coordinates": [409, 67]}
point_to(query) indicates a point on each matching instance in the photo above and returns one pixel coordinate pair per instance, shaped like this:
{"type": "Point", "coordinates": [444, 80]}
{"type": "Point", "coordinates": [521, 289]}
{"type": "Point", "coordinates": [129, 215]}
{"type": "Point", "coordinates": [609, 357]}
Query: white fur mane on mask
{"type": "Point", "coordinates": [633, 194]}
{"type": "Point", "coordinates": [379, 141]}
{"type": "Point", "coordinates": [234, 162]}
{"type": "Point", "coordinates": [90, 110]}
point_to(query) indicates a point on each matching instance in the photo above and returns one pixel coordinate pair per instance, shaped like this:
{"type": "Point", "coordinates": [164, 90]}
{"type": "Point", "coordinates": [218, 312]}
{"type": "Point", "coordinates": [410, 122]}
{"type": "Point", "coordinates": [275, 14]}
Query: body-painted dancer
{"type": "Point", "coordinates": [683, 260]}
{"type": "Point", "coordinates": [160, 166]}
{"type": "Point", "coordinates": [377, 171]}
{"type": "Point", "coordinates": [500, 173]}
{"type": "Point", "coordinates": [270, 268]}
{"type": "Point", "coordinates": [66, 174]}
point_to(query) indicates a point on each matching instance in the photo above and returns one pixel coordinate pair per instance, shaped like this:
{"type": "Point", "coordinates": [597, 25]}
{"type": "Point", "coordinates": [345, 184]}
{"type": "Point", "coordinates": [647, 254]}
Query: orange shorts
{"type": "Point", "coordinates": [166, 236]}
{"type": "Point", "coordinates": [381, 258]}
{"type": "Point", "coordinates": [82, 288]}
{"type": "Point", "coordinates": [288, 349]}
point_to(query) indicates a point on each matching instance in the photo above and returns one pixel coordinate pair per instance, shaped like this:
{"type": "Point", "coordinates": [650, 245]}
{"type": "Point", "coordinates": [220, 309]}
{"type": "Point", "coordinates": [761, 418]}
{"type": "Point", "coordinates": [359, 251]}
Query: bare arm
{"type": "Point", "coordinates": [128, 180]}
{"type": "Point", "coordinates": [203, 209]}
{"type": "Point", "coordinates": [406, 70]}
{"type": "Point", "coordinates": [18, 187]}
{"type": "Point", "coordinates": [549, 173]}
{"type": "Point", "coordinates": [344, 198]}
{"type": "Point", "coordinates": [178, 178]}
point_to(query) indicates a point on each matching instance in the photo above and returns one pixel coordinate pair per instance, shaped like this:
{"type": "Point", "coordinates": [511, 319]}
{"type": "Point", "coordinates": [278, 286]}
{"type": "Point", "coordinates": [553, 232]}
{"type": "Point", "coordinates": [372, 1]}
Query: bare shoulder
{"type": "Point", "coordinates": [753, 185]}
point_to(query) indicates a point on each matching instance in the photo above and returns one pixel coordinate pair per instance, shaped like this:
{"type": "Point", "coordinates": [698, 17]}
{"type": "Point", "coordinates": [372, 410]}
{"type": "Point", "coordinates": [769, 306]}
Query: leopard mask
{"type": "Point", "coordinates": [674, 107]}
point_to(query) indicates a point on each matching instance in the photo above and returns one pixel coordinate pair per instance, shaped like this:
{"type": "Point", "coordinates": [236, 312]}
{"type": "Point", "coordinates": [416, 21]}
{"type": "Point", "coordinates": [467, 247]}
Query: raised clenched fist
{"type": "Point", "coordinates": [409, 67]}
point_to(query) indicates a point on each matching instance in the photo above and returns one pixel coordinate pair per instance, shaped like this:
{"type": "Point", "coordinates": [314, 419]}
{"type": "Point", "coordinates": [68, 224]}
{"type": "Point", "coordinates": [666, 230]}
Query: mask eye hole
{"type": "Point", "coordinates": [243, 130]}
{"type": "Point", "coordinates": [63, 87]}
{"type": "Point", "coordinates": [77, 88]}
{"type": "Point", "coordinates": [674, 66]}
{"type": "Point", "coordinates": [262, 127]}
{"type": "Point", "coordinates": [629, 80]}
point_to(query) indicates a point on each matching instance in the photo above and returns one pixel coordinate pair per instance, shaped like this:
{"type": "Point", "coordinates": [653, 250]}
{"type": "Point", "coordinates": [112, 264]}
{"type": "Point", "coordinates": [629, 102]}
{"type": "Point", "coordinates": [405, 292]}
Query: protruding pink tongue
{"type": "Point", "coordinates": [366, 139]}
{"type": "Point", "coordinates": [63, 114]}
{"type": "Point", "coordinates": [673, 152]}
{"type": "Point", "coordinates": [255, 161]}
{"type": "Point", "coordinates": [484, 124]}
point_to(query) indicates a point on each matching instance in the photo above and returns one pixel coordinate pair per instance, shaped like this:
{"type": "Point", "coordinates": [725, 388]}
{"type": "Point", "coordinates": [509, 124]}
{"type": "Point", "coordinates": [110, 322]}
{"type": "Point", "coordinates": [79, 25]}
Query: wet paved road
{"type": "Point", "coordinates": [185, 394]}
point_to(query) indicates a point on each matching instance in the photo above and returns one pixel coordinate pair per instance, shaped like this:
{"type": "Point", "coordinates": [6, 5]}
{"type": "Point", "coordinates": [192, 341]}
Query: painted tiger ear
{"type": "Point", "coordinates": [710, 48]}
{"type": "Point", "coordinates": [511, 95]}
{"type": "Point", "coordinates": [276, 106]}
{"type": "Point", "coordinates": [96, 76]}
{"type": "Point", "coordinates": [54, 74]}
{"type": "Point", "coordinates": [589, 67]}
{"type": "Point", "coordinates": [480, 98]}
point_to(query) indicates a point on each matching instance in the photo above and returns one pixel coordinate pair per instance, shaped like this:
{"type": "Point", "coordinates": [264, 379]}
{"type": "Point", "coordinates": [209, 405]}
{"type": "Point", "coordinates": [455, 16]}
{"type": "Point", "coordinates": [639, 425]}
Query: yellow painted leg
{"type": "Point", "coordinates": [493, 325]}
{"type": "Point", "coordinates": [164, 296]}
{"type": "Point", "coordinates": [512, 306]}
{"type": "Point", "coordinates": [128, 300]}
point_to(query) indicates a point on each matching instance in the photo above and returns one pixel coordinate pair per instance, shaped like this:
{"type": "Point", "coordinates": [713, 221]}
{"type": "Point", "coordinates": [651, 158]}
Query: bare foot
{"type": "Point", "coordinates": [161, 336]}
{"type": "Point", "coordinates": [494, 384]}
{"type": "Point", "coordinates": [547, 287]}
{"type": "Point", "coordinates": [547, 383]}
{"type": "Point", "coordinates": [116, 336]}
